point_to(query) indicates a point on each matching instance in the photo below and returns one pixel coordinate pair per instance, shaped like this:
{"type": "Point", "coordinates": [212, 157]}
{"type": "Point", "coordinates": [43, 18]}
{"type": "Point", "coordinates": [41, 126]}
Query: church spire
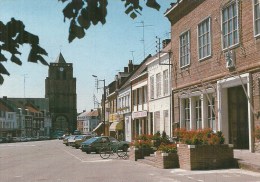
{"type": "Point", "coordinates": [60, 59]}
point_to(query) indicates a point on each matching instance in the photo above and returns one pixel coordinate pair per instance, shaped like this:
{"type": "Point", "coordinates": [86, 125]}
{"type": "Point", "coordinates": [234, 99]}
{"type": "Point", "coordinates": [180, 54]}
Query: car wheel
{"type": "Point", "coordinates": [88, 152]}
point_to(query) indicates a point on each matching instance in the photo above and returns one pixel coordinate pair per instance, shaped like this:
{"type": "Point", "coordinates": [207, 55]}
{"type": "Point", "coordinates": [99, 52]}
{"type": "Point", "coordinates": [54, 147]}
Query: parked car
{"type": "Point", "coordinates": [94, 144]}
{"type": "Point", "coordinates": [71, 140]}
{"type": "Point", "coordinates": [16, 139]}
{"type": "Point", "coordinates": [65, 140]}
{"type": "Point", "coordinates": [23, 139]}
{"type": "Point", "coordinates": [80, 139]}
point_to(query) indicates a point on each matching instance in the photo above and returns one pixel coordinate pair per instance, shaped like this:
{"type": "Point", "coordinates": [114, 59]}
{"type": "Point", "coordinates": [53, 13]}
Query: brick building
{"type": "Point", "coordinates": [60, 89]}
{"type": "Point", "coordinates": [216, 67]}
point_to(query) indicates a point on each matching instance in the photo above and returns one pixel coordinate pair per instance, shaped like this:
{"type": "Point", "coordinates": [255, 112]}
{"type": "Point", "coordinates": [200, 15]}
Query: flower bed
{"type": "Point", "coordinates": [166, 157]}
{"type": "Point", "coordinates": [204, 149]}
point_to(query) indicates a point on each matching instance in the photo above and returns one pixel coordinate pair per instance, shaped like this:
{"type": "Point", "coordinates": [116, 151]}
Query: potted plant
{"type": "Point", "coordinates": [203, 149]}
{"type": "Point", "coordinates": [166, 156]}
{"type": "Point", "coordinates": [257, 137]}
{"type": "Point", "coordinates": [140, 147]}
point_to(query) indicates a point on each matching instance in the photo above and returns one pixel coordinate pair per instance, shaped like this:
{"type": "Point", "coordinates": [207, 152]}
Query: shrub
{"type": "Point", "coordinates": [200, 137]}
{"type": "Point", "coordinates": [142, 143]}
{"type": "Point", "coordinates": [168, 148]}
{"type": "Point", "coordinates": [257, 132]}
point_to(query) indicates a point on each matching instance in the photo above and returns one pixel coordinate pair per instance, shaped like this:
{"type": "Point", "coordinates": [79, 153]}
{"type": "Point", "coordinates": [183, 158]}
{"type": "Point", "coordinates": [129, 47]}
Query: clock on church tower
{"type": "Point", "coordinates": [60, 89]}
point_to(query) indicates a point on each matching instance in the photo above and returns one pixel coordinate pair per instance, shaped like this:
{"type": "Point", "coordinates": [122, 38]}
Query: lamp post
{"type": "Point", "coordinates": [104, 102]}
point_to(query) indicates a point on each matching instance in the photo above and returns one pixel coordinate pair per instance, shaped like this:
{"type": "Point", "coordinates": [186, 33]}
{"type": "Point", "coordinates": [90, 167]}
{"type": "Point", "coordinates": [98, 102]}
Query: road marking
{"type": "Point", "coordinates": [103, 160]}
{"type": "Point", "coordinates": [81, 160]}
{"type": "Point", "coordinates": [17, 145]}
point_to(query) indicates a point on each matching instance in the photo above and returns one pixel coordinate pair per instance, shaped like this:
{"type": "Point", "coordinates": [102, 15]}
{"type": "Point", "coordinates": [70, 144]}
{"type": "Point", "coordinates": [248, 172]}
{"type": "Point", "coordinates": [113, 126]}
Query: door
{"type": "Point", "coordinates": [238, 118]}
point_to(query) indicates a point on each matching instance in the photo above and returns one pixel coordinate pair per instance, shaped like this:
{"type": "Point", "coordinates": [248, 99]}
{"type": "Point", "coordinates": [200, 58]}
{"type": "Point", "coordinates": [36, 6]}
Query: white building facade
{"type": "Point", "coordinates": [159, 74]}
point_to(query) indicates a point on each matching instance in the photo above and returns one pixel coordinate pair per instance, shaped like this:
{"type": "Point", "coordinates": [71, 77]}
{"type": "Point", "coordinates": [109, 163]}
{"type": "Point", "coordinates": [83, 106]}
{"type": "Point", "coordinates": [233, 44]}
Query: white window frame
{"type": "Point", "coordinates": [165, 82]}
{"type": "Point", "coordinates": [211, 112]}
{"type": "Point", "coordinates": [152, 87]}
{"type": "Point", "coordinates": [184, 57]}
{"type": "Point", "coordinates": [256, 33]}
{"type": "Point", "coordinates": [158, 85]}
{"type": "Point", "coordinates": [198, 118]}
{"type": "Point", "coordinates": [229, 46]}
{"type": "Point", "coordinates": [206, 34]}
{"type": "Point", "coordinates": [187, 111]}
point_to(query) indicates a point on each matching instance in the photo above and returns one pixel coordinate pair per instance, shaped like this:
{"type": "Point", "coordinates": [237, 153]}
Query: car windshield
{"type": "Point", "coordinates": [112, 139]}
{"type": "Point", "coordinates": [79, 137]}
{"type": "Point", "coordinates": [91, 140]}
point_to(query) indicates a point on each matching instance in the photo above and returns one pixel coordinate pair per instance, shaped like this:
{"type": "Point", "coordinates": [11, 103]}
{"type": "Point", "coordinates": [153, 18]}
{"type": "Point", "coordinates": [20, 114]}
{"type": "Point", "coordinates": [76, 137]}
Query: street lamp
{"type": "Point", "coordinates": [104, 99]}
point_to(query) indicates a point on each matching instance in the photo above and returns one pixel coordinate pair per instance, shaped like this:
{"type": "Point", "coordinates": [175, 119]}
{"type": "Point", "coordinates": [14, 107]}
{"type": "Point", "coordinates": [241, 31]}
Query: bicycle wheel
{"type": "Point", "coordinates": [121, 152]}
{"type": "Point", "coordinates": [104, 153]}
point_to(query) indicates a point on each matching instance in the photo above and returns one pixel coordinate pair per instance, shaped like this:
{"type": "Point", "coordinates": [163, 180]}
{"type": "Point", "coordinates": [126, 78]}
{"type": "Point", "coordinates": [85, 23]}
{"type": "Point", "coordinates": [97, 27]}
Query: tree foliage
{"type": "Point", "coordinates": [84, 13]}
{"type": "Point", "coordinates": [81, 13]}
{"type": "Point", "coordinates": [12, 35]}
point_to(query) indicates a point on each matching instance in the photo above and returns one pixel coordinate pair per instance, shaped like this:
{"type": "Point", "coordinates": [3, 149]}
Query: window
{"type": "Point", "coordinates": [140, 95]}
{"type": "Point", "coordinates": [198, 113]}
{"type": "Point", "coordinates": [145, 94]}
{"type": "Point", "coordinates": [165, 82]}
{"type": "Point", "coordinates": [185, 49]}
{"type": "Point", "coordinates": [152, 87]}
{"type": "Point", "coordinates": [211, 113]}
{"type": "Point", "coordinates": [187, 113]}
{"type": "Point", "coordinates": [204, 39]}
{"type": "Point", "coordinates": [134, 98]}
{"type": "Point", "coordinates": [158, 85]}
{"type": "Point", "coordinates": [257, 16]}
{"type": "Point", "coordinates": [230, 25]}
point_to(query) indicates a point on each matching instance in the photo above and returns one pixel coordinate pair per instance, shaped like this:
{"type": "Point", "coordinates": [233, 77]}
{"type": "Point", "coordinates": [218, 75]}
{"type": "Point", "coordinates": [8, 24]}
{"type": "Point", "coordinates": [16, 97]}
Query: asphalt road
{"type": "Point", "coordinates": [51, 161]}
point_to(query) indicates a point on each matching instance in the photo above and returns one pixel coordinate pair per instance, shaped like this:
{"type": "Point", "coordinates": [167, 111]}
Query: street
{"type": "Point", "coordinates": [52, 161]}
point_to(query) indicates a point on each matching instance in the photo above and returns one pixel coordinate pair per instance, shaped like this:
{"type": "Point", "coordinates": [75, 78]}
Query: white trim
{"type": "Point", "coordinates": [238, 28]}
{"type": "Point", "coordinates": [255, 35]}
{"type": "Point", "coordinates": [210, 39]}
{"type": "Point", "coordinates": [189, 39]}
{"type": "Point", "coordinates": [222, 86]}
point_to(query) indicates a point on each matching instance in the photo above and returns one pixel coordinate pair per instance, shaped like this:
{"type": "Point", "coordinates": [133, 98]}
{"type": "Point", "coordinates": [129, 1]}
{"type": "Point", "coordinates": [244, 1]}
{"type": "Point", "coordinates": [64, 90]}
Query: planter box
{"type": "Point", "coordinates": [196, 157]}
{"type": "Point", "coordinates": [166, 160]}
{"type": "Point", "coordinates": [139, 153]}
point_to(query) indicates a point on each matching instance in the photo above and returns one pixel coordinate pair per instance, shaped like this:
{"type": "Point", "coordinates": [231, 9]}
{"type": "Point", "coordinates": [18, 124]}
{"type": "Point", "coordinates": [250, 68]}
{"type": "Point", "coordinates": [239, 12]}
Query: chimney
{"type": "Point", "coordinates": [125, 69]}
{"type": "Point", "coordinates": [165, 42]}
{"type": "Point", "coordinates": [130, 66]}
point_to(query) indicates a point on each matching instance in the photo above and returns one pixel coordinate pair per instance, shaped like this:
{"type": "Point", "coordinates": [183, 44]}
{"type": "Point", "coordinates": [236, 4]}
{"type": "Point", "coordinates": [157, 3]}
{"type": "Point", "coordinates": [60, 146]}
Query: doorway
{"type": "Point", "coordinates": [238, 117]}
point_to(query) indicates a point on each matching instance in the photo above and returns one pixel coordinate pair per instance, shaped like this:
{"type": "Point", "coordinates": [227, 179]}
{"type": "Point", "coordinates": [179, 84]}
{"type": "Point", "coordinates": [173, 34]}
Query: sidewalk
{"type": "Point", "coordinates": [247, 160]}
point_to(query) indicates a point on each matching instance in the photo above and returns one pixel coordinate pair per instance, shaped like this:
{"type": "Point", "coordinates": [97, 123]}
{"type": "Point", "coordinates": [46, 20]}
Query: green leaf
{"type": "Point", "coordinates": [1, 80]}
{"type": "Point", "coordinates": [16, 60]}
{"type": "Point", "coordinates": [133, 15]}
{"type": "Point", "coordinates": [2, 57]}
{"type": "Point", "coordinates": [3, 70]}
{"type": "Point", "coordinates": [129, 9]}
{"type": "Point", "coordinates": [153, 4]}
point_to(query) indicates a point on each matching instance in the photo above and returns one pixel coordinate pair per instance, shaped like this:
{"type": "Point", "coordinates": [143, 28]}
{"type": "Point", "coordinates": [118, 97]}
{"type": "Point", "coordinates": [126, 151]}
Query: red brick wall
{"type": "Point", "coordinates": [214, 68]}
{"type": "Point", "coordinates": [205, 157]}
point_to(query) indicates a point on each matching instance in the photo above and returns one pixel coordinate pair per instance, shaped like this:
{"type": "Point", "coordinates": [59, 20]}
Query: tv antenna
{"type": "Point", "coordinates": [143, 26]}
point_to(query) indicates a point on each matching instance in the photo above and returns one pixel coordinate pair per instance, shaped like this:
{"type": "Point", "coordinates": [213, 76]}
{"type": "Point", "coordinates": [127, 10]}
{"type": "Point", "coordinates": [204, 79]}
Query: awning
{"type": "Point", "coordinates": [97, 127]}
{"type": "Point", "coordinates": [115, 126]}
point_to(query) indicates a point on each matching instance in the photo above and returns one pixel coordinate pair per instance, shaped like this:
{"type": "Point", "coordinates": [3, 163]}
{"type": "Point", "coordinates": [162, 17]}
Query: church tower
{"type": "Point", "coordinates": [60, 89]}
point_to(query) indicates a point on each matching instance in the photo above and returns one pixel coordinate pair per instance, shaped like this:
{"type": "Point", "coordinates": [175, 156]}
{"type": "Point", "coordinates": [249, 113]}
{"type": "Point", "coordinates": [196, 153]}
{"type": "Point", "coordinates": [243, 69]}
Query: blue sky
{"type": "Point", "coordinates": [104, 51]}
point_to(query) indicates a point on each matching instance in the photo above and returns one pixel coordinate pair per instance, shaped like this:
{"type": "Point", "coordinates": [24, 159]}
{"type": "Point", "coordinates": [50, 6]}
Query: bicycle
{"type": "Point", "coordinates": [105, 152]}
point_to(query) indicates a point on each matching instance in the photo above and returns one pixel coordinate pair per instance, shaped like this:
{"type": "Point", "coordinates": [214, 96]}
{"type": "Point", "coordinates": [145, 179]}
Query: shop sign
{"type": "Point", "coordinates": [140, 114]}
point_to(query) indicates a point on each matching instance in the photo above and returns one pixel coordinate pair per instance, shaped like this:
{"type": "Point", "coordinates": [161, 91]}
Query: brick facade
{"type": "Point", "coordinates": [205, 157]}
{"type": "Point", "coordinates": [210, 74]}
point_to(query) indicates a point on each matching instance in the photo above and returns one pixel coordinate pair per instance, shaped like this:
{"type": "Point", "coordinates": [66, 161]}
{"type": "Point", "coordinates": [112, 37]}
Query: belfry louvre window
{"type": "Point", "coordinates": [257, 17]}
{"type": "Point", "coordinates": [185, 49]}
{"type": "Point", "coordinates": [204, 39]}
{"type": "Point", "coordinates": [230, 25]}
